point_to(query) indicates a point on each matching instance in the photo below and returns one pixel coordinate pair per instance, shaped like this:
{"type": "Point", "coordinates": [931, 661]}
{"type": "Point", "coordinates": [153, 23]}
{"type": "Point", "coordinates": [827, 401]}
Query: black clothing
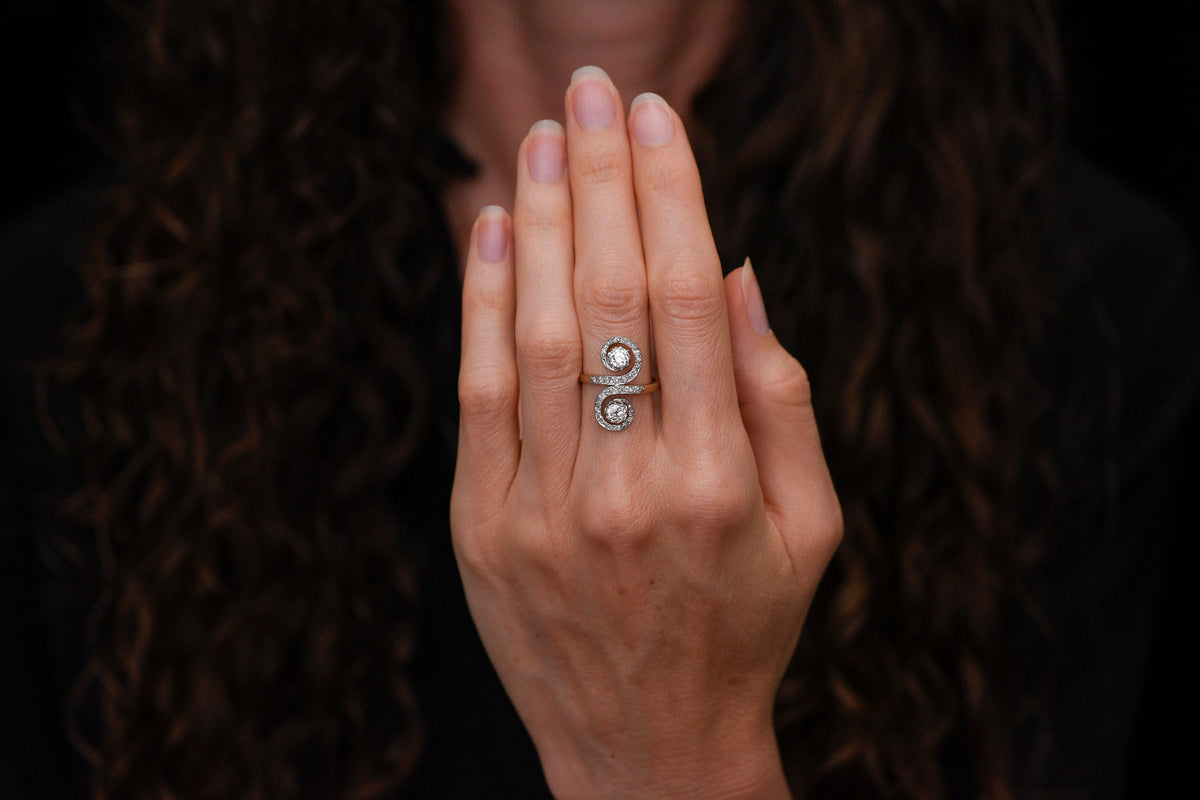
{"type": "Point", "coordinates": [1104, 581]}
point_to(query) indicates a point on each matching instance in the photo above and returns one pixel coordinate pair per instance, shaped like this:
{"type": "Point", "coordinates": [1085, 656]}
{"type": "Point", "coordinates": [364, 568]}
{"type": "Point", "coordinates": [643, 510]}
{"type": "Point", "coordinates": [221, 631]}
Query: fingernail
{"type": "Point", "coordinates": [755, 309]}
{"type": "Point", "coordinates": [491, 240]}
{"type": "Point", "coordinates": [592, 98]}
{"type": "Point", "coordinates": [651, 120]}
{"type": "Point", "coordinates": [547, 151]}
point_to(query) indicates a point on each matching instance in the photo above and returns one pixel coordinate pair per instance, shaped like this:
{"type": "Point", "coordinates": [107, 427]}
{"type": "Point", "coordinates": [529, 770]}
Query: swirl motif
{"type": "Point", "coordinates": [615, 413]}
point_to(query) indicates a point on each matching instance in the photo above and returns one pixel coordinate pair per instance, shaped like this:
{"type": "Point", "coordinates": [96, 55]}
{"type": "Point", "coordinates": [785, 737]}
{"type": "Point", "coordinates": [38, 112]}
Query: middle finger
{"type": "Point", "coordinates": [610, 272]}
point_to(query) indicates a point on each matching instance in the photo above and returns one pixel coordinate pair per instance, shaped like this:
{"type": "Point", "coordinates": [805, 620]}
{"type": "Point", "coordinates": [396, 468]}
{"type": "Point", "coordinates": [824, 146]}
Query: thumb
{"type": "Point", "coordinates": [776, 404]}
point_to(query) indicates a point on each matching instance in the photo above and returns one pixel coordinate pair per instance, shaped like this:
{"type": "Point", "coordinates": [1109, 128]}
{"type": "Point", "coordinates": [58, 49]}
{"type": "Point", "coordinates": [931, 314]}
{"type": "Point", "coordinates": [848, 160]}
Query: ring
{"type": "Point", "coordinates": [612, 412]}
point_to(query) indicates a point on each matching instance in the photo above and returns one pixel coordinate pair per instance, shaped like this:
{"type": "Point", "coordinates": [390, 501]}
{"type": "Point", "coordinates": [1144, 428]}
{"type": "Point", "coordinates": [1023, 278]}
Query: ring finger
{"type": "Point", "coordinates": [610, 272]}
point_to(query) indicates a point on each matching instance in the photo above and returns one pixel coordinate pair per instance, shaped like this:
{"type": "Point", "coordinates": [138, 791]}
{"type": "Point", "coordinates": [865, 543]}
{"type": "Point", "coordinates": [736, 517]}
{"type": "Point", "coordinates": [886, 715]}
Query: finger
{"type": "Point", "coordinates": [547, 332]}
{"type": "Point", "coordinates": [488, 445]}
{"type": "Point", "coordinates": [777, 412]}
{"type": "Point", "coordinates": [610, 276]}
{"type": "Point", "coordinates": [686, 290]}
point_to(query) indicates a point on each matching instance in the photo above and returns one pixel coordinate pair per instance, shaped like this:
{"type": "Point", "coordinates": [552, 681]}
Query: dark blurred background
{"type": "Point", "coordinates": [1134, 93]}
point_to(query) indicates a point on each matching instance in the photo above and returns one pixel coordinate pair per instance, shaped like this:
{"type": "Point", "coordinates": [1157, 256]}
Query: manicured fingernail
{"type": "Point", "coordinates": [755, 309]}
{"type": "Point", "coordinates": [492, 238]}
{"type": "Point", "coordinates": [651, 120]}
{"type": "Point", "coordinates": [546, 151]}
{"type": "Point", "coordinates": [592, 98]}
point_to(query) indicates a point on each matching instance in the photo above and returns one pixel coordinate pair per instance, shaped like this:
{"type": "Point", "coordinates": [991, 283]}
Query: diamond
{"type": "Point", "coordinates": [618, 358]}
{"type": "Point", "coordinates": [617, 411]}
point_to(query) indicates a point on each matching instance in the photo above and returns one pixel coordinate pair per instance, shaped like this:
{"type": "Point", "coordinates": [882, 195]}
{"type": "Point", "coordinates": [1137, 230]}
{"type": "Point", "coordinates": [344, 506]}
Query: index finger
{"type": "Point", "coordinates": [684, 279]}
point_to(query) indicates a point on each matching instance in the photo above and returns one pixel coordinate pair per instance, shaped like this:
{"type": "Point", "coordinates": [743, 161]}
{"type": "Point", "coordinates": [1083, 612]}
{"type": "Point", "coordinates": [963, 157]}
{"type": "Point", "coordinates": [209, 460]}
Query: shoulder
{"type": "Point", "coordinates": [1141, 267]}
{"type": "Point", "coordinates": [1140, 258]}
{"type": "Point", "coordinates": [38, 255]}
{"type": "Point", "coordinates": [1118, 214]}
{"type": "Point", "coordinates": [39, 645]}
{"type": "Point", "coordinates": [39, 291]}
{"type": "Point", "coordinates": [1128, 375]}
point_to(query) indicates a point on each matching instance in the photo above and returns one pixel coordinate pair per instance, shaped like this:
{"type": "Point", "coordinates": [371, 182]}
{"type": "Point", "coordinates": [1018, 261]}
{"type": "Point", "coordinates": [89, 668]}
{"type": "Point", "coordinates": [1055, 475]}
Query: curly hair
{"type": "Point", "coordinates": [257, 380]}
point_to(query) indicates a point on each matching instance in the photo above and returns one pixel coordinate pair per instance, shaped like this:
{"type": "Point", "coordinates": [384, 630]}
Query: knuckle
{"type": "Point", "coordinates": [615, 525]}
{"type": "Point", "coordinates": [548, 348]}
{"type": "Point", "coordinates": [835, 528]}
{"type": "Point", "coordinates": [789, 385]}
{"type": "Point", "coordinates": [542, 219]}
{"type": "Point", "coordinates": [614, 294]}
{"type": "Point", "coordinates": [485, 393]}
{"type": "Point", "coordinates": [663, 181]}
{"type": "Point", "coordinates": [598, 166]}
{"type": "Point", "coordinates": [822, 524]}
{"type": "Point", "coordinates": [487, 299]}
{"type": "Point", "coordinates": [478, 553]}
{"type": "Point", "coordinates": [689, 295]}
{"type": "Point", "coordinates": [712, 500]}
{"type": "Point", "coordinates": [473, 544]}
{"type": "Point", "coordinates": [716, 488]}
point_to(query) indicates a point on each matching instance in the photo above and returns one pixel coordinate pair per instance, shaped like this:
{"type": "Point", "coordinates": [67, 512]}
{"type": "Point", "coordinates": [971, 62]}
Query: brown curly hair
{"type": "Point", "coordinates": [257, 378]}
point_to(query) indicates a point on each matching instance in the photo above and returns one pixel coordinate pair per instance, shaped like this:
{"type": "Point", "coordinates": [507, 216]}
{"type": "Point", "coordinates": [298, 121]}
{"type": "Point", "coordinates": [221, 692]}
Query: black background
{"type": "Point", "coordinates": [1134, 88]}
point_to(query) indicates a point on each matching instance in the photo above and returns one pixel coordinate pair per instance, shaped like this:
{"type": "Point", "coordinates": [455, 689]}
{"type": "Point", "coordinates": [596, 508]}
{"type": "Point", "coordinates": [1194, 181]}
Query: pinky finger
{"type": "Point", "coordinates": [488, 441]}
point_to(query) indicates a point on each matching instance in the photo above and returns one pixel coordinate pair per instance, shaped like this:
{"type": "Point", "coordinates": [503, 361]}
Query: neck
{"type": "Point", "coordinates": [516, 57]}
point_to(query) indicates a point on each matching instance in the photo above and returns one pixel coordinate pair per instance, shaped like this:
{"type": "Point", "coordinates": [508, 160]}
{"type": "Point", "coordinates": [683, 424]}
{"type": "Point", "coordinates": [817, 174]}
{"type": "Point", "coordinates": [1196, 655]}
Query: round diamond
{"type": "Point", "coordinates": [617, 411]}
{"type": "Point", "coordinates": [618, 357]}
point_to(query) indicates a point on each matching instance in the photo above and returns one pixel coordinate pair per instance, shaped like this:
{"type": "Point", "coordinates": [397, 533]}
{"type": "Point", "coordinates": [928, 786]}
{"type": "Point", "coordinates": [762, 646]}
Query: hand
{"type": "Point", "coordinates": [639, 592]}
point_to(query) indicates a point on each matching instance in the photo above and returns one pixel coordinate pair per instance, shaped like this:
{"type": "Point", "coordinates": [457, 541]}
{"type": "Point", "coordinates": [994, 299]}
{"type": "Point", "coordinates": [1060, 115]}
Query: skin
{"type": "Point", "coordinates": [640, 593]}
{"type": "Point", "coordinates": [517, 55]}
